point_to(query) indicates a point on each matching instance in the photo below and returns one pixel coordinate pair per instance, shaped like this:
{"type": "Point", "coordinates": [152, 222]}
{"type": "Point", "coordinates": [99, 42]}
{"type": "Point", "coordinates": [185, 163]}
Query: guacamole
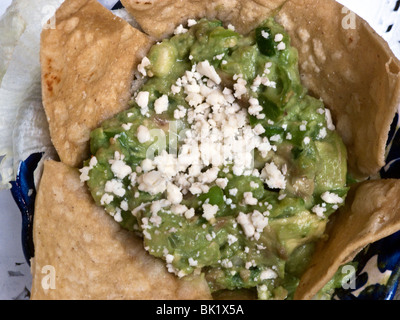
{"type": "Point", "coordinates": [222, 163]}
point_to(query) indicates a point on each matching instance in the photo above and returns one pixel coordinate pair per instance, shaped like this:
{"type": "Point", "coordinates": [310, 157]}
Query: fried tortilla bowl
{"type": "Point", "coordinates": [88, 62]}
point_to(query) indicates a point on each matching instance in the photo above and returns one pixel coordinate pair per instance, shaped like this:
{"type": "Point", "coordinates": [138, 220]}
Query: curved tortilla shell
{"type": "Point", "coordinates": [87, 63]}
{"type": "Point", "coordinates": [371, 212]}
{"type": "Point", "coordinates": [160, 18]}
{"type": "Point", "coordinates": [91, 255]}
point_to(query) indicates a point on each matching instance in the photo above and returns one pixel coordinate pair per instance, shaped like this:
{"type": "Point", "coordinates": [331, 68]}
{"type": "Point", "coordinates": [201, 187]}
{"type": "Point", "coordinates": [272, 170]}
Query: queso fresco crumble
{"type": "Point", "coordinates": [222, 163]}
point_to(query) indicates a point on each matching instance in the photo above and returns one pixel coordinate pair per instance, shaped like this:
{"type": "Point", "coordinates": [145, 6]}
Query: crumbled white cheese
{"type": "Point", "coordinates": [209, 211]}
{"type": "Point", "coordinates": [255, 110]}
{"type": "Point", "coordinates": [117, 215]}
{"type": "Point", "coordinates": [106, 199]}
{"type": "Point", "coordinates": [273, 177]}
{"type": "Point", "coordinates": [147, 165]}
{"type": "Point", "coordinates": [233, 191]}
{"type": "Point", "coordinates": [282, 196]}
{"type": "Point", "coordinates": [120, 169]}
{"type": "Point", "coordinates": [118, 166]}
{"type": "Point", "coordinates": [222, 182]}
{"type": "Point", "coordinates": [189, 213]}
{"type": "Point", "coordinates": [175, 89]}
{"type": "Point", "coordinates": [303, 126]}
{"type": "Point", "coordinates": [259, 129]}
{"type": "Point", "coordinates": [252, 223]}
{"type": "Point", "coordinates": [132, 178]}
{"type": "Point", "coordinates": [245, 222]}
{"type": "Point", "coordinates": [209, 176]}
{"type": "Point", "coordinates": [180, 29]}
{"type": "Point", "coordinates": [329, 121]}
{"type": "Point", "coordinates": [192, 262]}
{"type": "Point", "coordinates": [254, 185]}
{"type": "Point", "coordinates": [232, 239]}
{"type": "Point", "coordinates": [319, 210]}
{"type": "Point", "coordinates": [142, 100]}
{"type": "Point", "coordinates": [268, 274]}
{"type": "Point", "coordinates": [226, 263]}
{"type": "Point", "coordinates": [208, 70]}
{"type": "Point", "coordinates": [322, 134]}
{"type": "Point", "coordinates": [264, 34]}
{"type": "Point", "coordinates": [169, 258]}
{"type": "Point", "coordinates": [166, 164]}
{"type": "Point", "coordinates": [143, 134]}
{"type": "Point", "coordinates": [115, 186]}
{"type": "Point", "coordinates": [240, 86]}
{"type": "Point", "coordinates": [142, 66]}
{"type": "Point", "coordinates": [161, 104]}
{"type": "Point", "coordinates": [249, 199]}
{"type": "Point", "coordinates": [275, 138]}
{"type": "Point", "coordinates": [219, 56]}
{"type": "Point", "coordinates": [179, 209]}
{"type": "Point", "coordinates": [281, 46]}
{"type": "Point", "coordinates": [191, 22]}
{"type": "Point", "coordinates": [278, 37]}
{"type": "Point", "coordinates": [126, 126]}
{"type": "Point", "coordinates": [259, 221]}
{"type": "Point", "coordinates": [124, 205]}
{"type": "Point", "coordinates": [152, 182]}
{"type": "Point", "coordinates": [84, 176]}
{"type": "Point", "coordinates": [331, 198]}
{"type": "Point", "coordinates": [174, 194]}
{"type": "Point", "coordinates": [155, 207]}
{"type": "Point", "coordinates": [180, 112]}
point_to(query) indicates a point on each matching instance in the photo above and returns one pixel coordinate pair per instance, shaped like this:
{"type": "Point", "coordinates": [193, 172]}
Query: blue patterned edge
{"type": "Point", "coordinates": [24, 192]}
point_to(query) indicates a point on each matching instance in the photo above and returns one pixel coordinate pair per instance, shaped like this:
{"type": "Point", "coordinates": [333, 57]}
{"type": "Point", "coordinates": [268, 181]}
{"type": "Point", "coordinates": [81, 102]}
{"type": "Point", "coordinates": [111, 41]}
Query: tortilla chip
{"type": "Point", "coordinates": [160, 18]}
{"type": "Point", "coordinates": [371, 212]}
{"type": "Point", "coordinates": [344, 62]}
{"type": "Point", "coordinates": [91, 256]}
{"type": "Point", "coordinates": [87, 70]}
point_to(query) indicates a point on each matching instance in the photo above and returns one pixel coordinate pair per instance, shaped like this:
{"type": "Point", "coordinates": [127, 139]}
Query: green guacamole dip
{"type": "Point", "coordinates": [222, 163]}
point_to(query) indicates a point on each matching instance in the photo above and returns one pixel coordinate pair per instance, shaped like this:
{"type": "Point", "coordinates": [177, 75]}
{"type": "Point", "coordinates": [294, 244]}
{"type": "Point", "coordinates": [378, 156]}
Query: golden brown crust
{"type": "Point", "coordinates": [91, 256]}
{"type": "Point", "coordinates": [159, 18]}
{"type": "Point", "coordinates": [87, 68]}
